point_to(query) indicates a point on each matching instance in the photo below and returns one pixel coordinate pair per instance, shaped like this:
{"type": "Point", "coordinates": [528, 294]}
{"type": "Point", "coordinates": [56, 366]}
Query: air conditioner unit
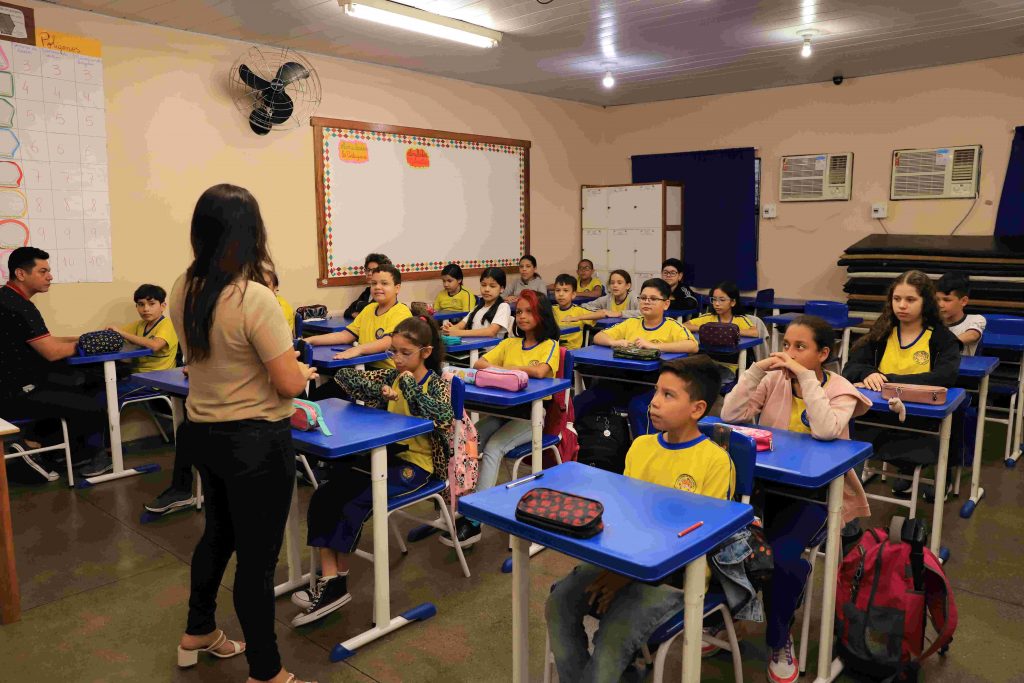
{"type": "Point", "coordinates": [815, 177]}
{"type": "Point", "coordinates": [942, 173]}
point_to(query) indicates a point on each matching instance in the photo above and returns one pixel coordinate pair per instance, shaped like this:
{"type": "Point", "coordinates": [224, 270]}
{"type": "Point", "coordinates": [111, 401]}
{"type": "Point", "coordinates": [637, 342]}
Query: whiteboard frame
{"type": "Point", "coordinates": [320, 123]}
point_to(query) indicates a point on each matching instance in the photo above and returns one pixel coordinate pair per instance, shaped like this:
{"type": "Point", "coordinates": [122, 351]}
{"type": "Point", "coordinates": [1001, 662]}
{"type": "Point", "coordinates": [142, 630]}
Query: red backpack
{"type": "Point", "coordinates": [890, 584]}
{"type": "Point", "coordinates": [558, 420]}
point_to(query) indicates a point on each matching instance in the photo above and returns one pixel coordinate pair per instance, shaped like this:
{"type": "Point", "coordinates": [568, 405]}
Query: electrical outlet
{"type": "Point", "coordinates": [769, 211]}
{"type": "Point", "coordinates": [880, 210]}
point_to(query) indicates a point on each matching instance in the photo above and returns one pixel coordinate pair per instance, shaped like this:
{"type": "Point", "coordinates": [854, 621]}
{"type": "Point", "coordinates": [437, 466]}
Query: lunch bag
{"type": "Point", "coordinates": [719, 334]}
{"type": "Point", "coordinates": [561, 512]}
{"type": "Point", "coordinates": [308, 417]}
{"type": "Point", "coordinates": [99, 342]}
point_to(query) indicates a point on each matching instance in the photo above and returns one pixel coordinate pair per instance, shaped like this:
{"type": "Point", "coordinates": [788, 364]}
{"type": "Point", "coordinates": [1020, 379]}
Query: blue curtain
{"type": "Point", "coordinates": [1010, 219]}
{"type": "Point", "coordinates": [719, 219]}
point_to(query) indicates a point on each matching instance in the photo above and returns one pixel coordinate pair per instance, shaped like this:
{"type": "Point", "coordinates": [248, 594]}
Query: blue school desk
{"type": "Point", "coordinates": [441, 316]}
{"type": "Point", "coordinates": [640, 540]}
{"type": "Point", "coordinates": [590, 358]}
{"type": "Point", "coordinates": [335, 323]}
{"type": "Point", "coordinates": [1012, 342]}
{"type": "Point", "coordinates": [473, 345]}
{"type": "Point", "coordinates": [323, 358]}
{"type": "Point", "coordinates": [944, 415]}
{"type": "Point", "coordinates": [109, 361]}
{"type": "Point", "coordinates": [776, 306]}
{"type": "Point", "coordinates": [844, 324]}
{"type": "Point", "coordinates": [976, 369]}
{"type": "Point", "coordinates": [803, 461]}
{"type": "Point", "coordinates": [357, 429]}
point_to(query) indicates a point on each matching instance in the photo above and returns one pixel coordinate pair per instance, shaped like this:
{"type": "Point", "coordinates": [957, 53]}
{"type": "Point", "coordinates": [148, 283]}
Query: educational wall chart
{"type": "Point", "coordinates": [53, 157]}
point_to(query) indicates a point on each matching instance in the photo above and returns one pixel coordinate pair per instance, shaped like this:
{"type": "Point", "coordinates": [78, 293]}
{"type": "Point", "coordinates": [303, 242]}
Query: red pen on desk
{"type": "Point", "coordinates": [692, 527]}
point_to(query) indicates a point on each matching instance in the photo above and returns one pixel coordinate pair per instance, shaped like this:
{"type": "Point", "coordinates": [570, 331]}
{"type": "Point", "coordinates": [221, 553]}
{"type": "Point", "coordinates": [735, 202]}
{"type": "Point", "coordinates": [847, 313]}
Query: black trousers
{"type": "Point", "coordinates": [248, 471]}
{"type": "Point", "coordinates": [181, 475]}
{"type": "Point", "coordinates": [85, 412]}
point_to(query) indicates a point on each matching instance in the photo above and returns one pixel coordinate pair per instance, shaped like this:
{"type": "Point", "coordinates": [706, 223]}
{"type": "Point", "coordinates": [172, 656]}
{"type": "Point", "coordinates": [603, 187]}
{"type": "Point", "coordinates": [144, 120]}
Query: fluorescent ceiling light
{"type": "Point", "coordinates": [421, 21]}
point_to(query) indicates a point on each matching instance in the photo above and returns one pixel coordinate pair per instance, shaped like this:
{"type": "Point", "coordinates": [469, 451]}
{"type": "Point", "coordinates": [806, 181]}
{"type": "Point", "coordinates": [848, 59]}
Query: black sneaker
{"type": "Point", "coordinates": [170, 500]}
{"type": "Point", "coordinates": [100, 464]}
{"type": "Point", "coordinates": [469, 532]}
{"type": "Point", "coordinates": [901, 488]}
{"type": "Point", "coordinates": [928, 492]}
{"type": "Point", "coordinates": [329, 595]}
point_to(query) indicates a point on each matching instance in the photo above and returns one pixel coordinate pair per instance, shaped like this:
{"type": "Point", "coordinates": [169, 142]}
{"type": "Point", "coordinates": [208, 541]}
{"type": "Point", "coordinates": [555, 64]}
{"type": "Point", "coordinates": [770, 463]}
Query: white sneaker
{"type": "Point", "coordinates": [782, 664]}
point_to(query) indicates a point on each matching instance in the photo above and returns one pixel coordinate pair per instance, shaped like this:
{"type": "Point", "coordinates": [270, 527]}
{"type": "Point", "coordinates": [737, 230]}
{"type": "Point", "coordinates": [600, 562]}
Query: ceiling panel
{"type": "Point", "coordinates": [657, 49]}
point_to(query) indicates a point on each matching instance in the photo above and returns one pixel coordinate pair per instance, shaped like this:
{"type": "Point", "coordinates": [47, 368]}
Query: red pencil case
{"type": "Point", "coordinates": [561, 512]}
{"type": "Point", "coordinates": [762, 437]}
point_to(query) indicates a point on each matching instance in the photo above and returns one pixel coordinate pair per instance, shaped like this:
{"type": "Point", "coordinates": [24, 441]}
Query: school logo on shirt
{"type": "Point", "coordinates": [684, 482]}
{"type": "Point", "coordinates": [379, 334]}
{"type": "Point", "coordinates": [536, 362]}
{"type": "Point", "coordinates": [406, 473]}
{"type": "Point", "coordinates": [921, 357]}
{"type": "Point", "coordinates": [803, 418]}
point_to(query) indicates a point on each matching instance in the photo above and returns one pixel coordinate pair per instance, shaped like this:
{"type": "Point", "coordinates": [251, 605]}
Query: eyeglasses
{"type": "Point", "coordinates": [670, 273]}
{"type": "Point", "coordinates": [649, 299]}
{"type": "Point", "coordinates": [391, 353]}
{"type": "Point", "coordinates": [720, 300]}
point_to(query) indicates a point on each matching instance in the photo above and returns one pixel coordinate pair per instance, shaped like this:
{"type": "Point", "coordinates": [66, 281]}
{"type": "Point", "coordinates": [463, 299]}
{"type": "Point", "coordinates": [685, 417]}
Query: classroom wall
{"type": "Point", "coordinates": [173, 132]}
{"type": "Point", "coordinates": [970, 103]}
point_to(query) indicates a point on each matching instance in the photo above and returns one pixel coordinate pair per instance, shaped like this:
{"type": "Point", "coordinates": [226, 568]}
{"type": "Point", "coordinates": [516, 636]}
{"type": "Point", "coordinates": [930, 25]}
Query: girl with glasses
{"type": "Point", "coordinates": [725, 299]}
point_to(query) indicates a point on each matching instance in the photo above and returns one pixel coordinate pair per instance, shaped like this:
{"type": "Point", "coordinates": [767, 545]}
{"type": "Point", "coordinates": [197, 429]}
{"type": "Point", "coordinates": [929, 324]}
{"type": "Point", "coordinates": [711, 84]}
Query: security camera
{"type": "Point", "coordinates": [837, 79]}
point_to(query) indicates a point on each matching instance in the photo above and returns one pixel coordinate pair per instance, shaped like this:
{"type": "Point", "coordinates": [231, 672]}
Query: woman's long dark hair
{"type": "Point", "coordinates": [498, 275]}
{"type": "Point", "coordinates": [229, 241]}
{"type": "Point", "coordinates": [547, 327]}
{"type": "Point", "coordinates": [885, 323]}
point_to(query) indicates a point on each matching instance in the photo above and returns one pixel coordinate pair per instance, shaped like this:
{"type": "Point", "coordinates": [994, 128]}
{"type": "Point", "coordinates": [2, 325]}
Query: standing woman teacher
{"type": "Point", "coordinates": [243, 374]}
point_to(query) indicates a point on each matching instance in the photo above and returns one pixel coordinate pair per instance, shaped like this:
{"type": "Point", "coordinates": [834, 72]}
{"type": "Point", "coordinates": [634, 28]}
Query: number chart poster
{"type": "Point", "coordinates": [53, 158]}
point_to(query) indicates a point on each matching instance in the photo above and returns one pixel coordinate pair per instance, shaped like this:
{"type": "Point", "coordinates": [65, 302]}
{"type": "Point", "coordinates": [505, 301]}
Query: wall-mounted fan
{"type": "Point", "coordinates": [276, 88]}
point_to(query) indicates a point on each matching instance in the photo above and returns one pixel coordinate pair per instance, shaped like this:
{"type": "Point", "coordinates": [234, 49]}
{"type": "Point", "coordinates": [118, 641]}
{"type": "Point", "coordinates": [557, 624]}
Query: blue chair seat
{"type": "Point", "coordinates": [549, 441]}
{"type": "Point", "coordinates": [674, 625]}
{"type": "Point", "coordinates": [432, 487]}
{"type": "Point", "coordinates": [1000, 389]}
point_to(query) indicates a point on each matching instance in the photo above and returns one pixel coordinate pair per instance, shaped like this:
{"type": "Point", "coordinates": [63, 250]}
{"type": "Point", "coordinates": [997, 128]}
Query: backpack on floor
{"type": "Point", "coordinates": [890, 586]}
{"type": "Point", "coordinates": [604, 441]}
{"type": "Point", "coordinates": [559, 420]}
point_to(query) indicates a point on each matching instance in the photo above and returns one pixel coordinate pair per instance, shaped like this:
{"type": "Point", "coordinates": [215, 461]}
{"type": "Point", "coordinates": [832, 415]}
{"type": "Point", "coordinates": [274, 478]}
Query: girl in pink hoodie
{"type": "Point", "coordinates": [790, 390]}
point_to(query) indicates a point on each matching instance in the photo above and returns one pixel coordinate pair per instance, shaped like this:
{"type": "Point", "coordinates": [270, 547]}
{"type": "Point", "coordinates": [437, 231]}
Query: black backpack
{"type": "Point", "coordinates": [604, 441]}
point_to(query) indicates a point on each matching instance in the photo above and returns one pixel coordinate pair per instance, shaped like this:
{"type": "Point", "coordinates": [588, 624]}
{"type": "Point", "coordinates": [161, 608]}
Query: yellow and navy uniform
{"type": "Point", "coordinates": [590, 286]}
{"type": "Point", "coordinates": [164, 359]}
{"type": "Point", "coordinates": [696, 466]}
{"type": "Point", "coordinates": [462, 301]}
{"type": "Point", "coordinates": [615, 306]}
{"type": "Point", "coordinates": [288, 312]}
{"type": "Point", "coordinates": [741, 321]}
{"type": "Point", "coordinates": [575, 340]}
{"type": "Point", "coordinates": [513, 353]}
{"type": "Point", "coordinates": [911, 359]}
{"type": "Point", "coordinates": [368, 327]}
{"type": "Point", "coordinates": [420, 452]}
{"type": "Point", "coordinates": [798, 421]}
{"type": "Point", "coordinates": [669, 331]}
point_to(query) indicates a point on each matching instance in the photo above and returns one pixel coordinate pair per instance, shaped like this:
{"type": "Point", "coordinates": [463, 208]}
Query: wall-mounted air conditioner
{"type": "Point", "coordinates": [815, 177]}
{"type": "Point", "coordinates": [941, 173]}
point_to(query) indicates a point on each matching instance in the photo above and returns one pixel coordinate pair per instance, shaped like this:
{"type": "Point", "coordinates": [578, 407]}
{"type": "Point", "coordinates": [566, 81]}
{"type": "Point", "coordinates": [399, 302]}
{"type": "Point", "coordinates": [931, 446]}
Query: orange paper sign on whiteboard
{"type": "Point", "coordinates": [353, 152]}
{"type": "Point", "coordinates": [417, 157]}
{"type": "Point", "coordinates": [66, 42]}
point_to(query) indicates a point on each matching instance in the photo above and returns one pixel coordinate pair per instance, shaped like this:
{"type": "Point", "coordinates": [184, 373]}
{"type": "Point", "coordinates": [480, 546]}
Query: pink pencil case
{"type": "Point", "coordinates": [499, 378]}
{"type": "Point", "coordinates": [762, 437]}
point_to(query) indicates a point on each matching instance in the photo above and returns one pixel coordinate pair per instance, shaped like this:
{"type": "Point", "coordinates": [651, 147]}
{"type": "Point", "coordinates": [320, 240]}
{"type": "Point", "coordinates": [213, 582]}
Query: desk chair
{"type": "Point", "coordinates": [131, 393]}
{"type": "Point", "coordinates": [1001, 385]}
{"type": "Point", "coordinates": [16, 451]}
{"type": "Point", "coordinates": [743, 452]}
{"type": "Point", "coordinates": [763, 300]}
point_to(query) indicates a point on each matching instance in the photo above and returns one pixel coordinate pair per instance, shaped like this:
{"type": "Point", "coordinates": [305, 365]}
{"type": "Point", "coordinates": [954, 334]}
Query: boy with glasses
{"type": "Point", "coordinates": [682, 299]}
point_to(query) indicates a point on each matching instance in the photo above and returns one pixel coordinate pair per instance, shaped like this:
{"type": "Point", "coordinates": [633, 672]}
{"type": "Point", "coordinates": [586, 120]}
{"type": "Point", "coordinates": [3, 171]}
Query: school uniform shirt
{"type": "Point", "coordinates": [966, 324]}
{"type": "Point", "coordinates": [937, 364]}
{"type": "Point", "coordinates": [635, 328]}
{"type": "Point", "coordinates": [696, 466]}
{"type": "Point", "coordinates": [288, 312]}
{"type": "Point", "coordinates": [462, 301]}
{"type": "Point", "coordinates": [20, 323]}
{"type": "Point", "coordinates": [513, 353]}
{"type": "Point", "coordinates": [627, 308]}
{"type": "Point", "coordinates": [743, 322]}
{"type": "Point", "coordinates": [502, 318]}
{"type": "Point", "coordinates": [798, 421]}
{"type": "Point", "coordinates": [590, 286]}
{"type": "Point", "coordinates": [232, 383]}
{"type": "Point", "coordinates": [368, 327]}
{"type": "Point", "coordinates": [910, 359]}
{"type": "Point", "coordinates": [163, 359]}
{"type": "Point", "coordinates": [575, 340]}
{"type": "Point", "coordinates": [518, 287]}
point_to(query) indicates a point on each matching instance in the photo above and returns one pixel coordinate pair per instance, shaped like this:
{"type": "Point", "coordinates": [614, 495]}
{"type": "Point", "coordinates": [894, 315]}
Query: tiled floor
{"type": "Point", "coordinates": [105, 596]}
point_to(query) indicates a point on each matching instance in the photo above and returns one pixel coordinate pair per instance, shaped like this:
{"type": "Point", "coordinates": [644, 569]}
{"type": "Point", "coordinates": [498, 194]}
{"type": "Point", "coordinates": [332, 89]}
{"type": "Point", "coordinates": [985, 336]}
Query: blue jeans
{"type": "Point", "coordinates": [498, 436]}
{"type": "Point", "coordinates": [632, 617]}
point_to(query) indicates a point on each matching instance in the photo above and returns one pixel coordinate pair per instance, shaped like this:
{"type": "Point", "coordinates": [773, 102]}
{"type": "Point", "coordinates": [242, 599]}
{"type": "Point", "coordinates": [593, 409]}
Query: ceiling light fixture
{"type": "Point", "coordinates": [805, 51]}
{"type": "Point", "coordinates": [421, 21]}
{"type": "Point", "coordinates": [608, 81]}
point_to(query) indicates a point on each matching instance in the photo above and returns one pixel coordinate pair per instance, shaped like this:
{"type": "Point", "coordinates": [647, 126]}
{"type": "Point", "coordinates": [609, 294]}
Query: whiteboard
{"type": "Point", "coordinates": [424, 198]}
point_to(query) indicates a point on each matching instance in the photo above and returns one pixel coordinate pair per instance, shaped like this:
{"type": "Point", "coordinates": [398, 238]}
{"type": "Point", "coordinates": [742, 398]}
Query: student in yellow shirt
{"type": "Point", "coordinates": [679, 457]}
{"type": "Point", "coordinates": [286, 308]}
{"type": "Point", "coordinates": [565, 291]}
{"type": "Point", "coordinates": [589, 286]}
{"type": "Point", "coordinates": [725, 299]}
{"type": "Point", "coordinates": [454, 297]}
{"type": "Point", "coordinates": [619, 302]}
{"type": "Point", "coordinates": [535, 352]}
{"type": "Point", "coordinates": [371, 329]}
{"type": "Point", "coordinates": [650, 331]}
{"type": "Point", "coordinates": [153, 330]}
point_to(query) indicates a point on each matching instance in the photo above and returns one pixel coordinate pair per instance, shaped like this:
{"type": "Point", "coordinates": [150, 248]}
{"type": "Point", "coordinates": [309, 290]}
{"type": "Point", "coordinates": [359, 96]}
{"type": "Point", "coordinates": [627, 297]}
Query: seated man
{"type": "Point", "coordinates": [30, 375]}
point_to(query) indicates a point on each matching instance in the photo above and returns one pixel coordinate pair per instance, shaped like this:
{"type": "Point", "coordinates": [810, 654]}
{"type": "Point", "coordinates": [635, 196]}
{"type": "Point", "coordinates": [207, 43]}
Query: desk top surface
{"type": "Point", "coordinates": [323, 357]}
{"type": "Point", "coordinates": [104, 357]}
{"type": "Point", "coordinates": [603, 356]}
{"type": "Point", "coordinates": [954, 397]}
{"type": "Point", "coordinates": [356, 429]}
{"type": "Point", "coordinates": [536, 389]}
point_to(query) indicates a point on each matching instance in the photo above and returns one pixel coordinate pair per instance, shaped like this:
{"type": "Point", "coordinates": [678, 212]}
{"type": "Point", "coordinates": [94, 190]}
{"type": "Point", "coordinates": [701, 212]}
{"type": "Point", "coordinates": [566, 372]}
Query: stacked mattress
{"type": "Point", "coordinates": [994, 264]}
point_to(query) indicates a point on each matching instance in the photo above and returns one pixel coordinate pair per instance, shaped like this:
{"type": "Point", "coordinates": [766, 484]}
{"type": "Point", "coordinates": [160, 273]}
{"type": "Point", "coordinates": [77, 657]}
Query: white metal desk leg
{"type": "Point", "coordinates": [521, 610]}
{"type": "Point", "coordinates": [828, 598]}
{"type": "Point", "coordinates": [177, 413]}
{"type": "Point", "coordinates": [577, 383]}
{"type": "Point", "coordinates": [693, 615]}
{"type": "Point", "coordinates": [940, 485]}
{"type": "Point", "coordinates": [293, 549]}
{"type": "Point", "coordinates": [473, 356]}
{"type": "Point", "coordinates": [743, 363]}
{"type": "Point", "coordinates": [775, 338]}
{"type": "Point", "coordinates": [381, 566]}
{"type": "Point", "coordinates": [537, 455]}
{"type": "Point", "coordinates": [1015, 453]}
{"type": "Point", "coordinates": [977, 493]}
{"type": "Point", "coordinates": [844, 348]}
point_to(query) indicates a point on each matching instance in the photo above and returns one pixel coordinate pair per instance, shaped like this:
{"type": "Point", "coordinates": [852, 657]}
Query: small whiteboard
{"type": "Point", "coordinates": [424, 198]}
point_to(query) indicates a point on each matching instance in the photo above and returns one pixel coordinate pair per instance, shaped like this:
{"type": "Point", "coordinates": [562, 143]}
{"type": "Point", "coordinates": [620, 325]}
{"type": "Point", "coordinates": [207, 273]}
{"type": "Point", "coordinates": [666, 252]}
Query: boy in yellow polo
{"type": "Point", "coordinates": [565, 292]}
{"type": "Point", "coordinates": [588, 286]}
{"type": "Point", "coordinates": [679, 457]}
{"type": "Point", "coordinates": [153, 330]}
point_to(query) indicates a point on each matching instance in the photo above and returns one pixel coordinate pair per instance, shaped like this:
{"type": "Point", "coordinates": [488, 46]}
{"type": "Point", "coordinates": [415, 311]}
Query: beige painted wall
{"type": "Point", "coordinates": [173, 132]}
{"type": "Point", "coordinates": [972, 103]}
